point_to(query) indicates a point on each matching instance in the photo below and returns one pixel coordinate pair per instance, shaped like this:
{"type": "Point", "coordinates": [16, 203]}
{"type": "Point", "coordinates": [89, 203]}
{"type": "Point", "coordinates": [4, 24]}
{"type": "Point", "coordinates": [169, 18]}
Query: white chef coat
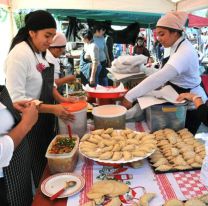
{"type": "Point", "coordinates": [6, 142]}
{"type": "Point", "coordinates": [23, 80]}
{"type": "Point", "coordinates": [181, 69]}
{"type": "Point", "coordinates": [55, 61]}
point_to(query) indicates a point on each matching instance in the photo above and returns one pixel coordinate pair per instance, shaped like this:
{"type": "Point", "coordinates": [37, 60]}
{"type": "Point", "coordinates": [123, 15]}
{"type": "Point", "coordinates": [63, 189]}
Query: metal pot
{"type": "Point", "coordinates": [109, 116]}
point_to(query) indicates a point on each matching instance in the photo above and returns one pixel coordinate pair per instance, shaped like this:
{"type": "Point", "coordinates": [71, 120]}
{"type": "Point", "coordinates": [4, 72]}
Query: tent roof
{"type": "Point", "coordinates": [116, 17]}
{"type": "Point", "coordinates": [197, 21]}
{"type": "Point", "coordinates": [149, 6]}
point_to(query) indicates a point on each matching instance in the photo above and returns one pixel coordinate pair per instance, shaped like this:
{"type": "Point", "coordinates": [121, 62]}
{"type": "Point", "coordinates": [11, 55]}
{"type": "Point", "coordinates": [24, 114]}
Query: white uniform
{"type": "Point", "coordinates": [23, 80]}
{"type": "Point", "coordinates": [182, 69]}
{"type": "Point", "coordinates": [91, 52]}
{"type": "Point", "coordinates": [55, 61]}
{"type": "Point", "coordinates": [6, 142]}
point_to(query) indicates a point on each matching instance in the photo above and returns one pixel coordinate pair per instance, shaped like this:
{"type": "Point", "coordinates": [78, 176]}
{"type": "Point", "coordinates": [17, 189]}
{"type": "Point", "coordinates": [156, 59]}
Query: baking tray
{"type": "Point", "coordinates": [172, 170]}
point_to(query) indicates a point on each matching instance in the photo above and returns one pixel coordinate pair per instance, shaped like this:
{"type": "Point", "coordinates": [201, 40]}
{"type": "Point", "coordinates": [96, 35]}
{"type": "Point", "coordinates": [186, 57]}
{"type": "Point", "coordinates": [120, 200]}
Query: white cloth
{"type": "Point", "coordinates": [23, 80]}
{"type": "Point", "coordinates": [129, 64]}
{"type": "Point", "coordinates": [91, 52]}
{"type": "Point", "coordinates": [55, 61]}
{"type": "Point", "coordinates": [6, 143]}
{"type": "Point", "coordinates": [181, 69]}
{"type": "Point", "coordinates": [152, 82]}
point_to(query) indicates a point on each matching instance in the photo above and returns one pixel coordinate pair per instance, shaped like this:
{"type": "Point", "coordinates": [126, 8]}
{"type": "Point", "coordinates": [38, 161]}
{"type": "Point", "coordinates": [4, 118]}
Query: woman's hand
{"type": "Point", "coordinates": [20, 105]}
{"type": "Point", "coordinates": [126, 103]}
{"type": "Point", "coordinates": [62, 112]}
{"type": "Point", "coordinates": [92, 80]}
{"type": "Point", "coordinates": [71, 99]}
{"type": "Point", "coordinates": [29, 114]}
{"type": "Point", "coordinates": [185, 96]}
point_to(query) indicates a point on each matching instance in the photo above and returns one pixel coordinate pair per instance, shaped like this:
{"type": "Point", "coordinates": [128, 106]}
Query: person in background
{"type": "Point", "coordinates": [90, 66]}
{"type": "Point", "coordinates": [109, 44]}
{"type": "Point", "coordinates": [140, 48]}
{"type": "Point", "coordinates": [201, 108]}
{"type": "Point", "coordinates": [30, 76]}
{"type": "Point", "coordinates": [99, 40]}
{"type": "Point", "coordinates": [159, 51]}
{"type": "Point", "coordinates": [15, 165]}
{"type": "Point", "coordinates": [180, 69]}
{"type": "Point", "coordinates": [56, 49]}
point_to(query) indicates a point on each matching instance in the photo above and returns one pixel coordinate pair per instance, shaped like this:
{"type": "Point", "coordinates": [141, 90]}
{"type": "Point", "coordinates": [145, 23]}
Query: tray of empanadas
{"type": "Point", "coordinates": [117, 146]}
{"type": "Point", "coordinates": [176, 151]}
{"type": "Point", "coordinates": [196, 201]}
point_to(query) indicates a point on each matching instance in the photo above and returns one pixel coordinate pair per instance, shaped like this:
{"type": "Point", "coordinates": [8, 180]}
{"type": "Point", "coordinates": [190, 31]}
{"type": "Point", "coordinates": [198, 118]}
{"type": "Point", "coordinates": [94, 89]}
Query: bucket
{"type": "Point", "coordinates": [79, 125]}
{"type": "Point", "coordinates": [109, 116]}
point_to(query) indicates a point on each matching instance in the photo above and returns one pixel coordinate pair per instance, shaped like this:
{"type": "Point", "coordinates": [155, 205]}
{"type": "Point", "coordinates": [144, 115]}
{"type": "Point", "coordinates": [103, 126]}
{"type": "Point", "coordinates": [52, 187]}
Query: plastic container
{"type": "Point", "coordinates": [79, 125]}
{"type": "Point", "coordinates": [65, 162]}
{"type": "Point", "coordinates": [79, 95]}
{"type": "Point", "coordinates": [166, 116]}
{"type": "Point", "coordinates": [109, 116]}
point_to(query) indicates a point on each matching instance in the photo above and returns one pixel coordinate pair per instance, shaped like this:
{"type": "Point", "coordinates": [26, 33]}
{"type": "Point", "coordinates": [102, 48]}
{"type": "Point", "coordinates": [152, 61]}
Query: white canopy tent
{"type": "Point", "coordinates": [150, 6]}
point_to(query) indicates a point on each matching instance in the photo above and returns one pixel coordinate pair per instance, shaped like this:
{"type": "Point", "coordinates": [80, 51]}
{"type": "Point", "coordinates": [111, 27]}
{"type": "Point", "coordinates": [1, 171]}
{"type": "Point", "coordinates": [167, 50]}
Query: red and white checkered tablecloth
{"type": "Point", "coordinates": [189, 183]}
{"type": "Point", "coordinates": [181, 185]}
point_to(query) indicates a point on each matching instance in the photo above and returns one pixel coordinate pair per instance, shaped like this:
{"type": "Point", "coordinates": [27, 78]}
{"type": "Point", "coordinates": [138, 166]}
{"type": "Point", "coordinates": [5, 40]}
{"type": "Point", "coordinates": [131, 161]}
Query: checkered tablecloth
{"type": "Point", "coordinates": [181, 185]}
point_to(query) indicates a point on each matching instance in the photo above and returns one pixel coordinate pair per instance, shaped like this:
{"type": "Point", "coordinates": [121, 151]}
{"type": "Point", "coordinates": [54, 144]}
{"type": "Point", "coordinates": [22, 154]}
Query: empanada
{"type": "Point", "coordinates": [116, 148]}
{"type": "Point", "coordinates": [98, 131]}
{"type": "Point", "coordinates": [132, 141]}
{"type": "Point", "coordinates": [107, 149]}
{"type": "Point", "coordinates": [108, 142]}
{"type": "Point", "coordinates": [117, 156]}
{"type": "Point", "coordinates": [106, 155]}
{"type": "Point", "coordinates": [131, 135]}
{"type": "Point", "coordinates": [163, 168]}
{"type": "Point", "coordinates": [127, 155]}
{"type": "Point", "coordinates": [106, 136]}
{"type": "Point", "coordinates": [146, 198]}
{"type": "Point", "coordinates": [85, 137]}
{"type": "Point", "coordinates": [93, 154]}
{"type": "Point", "coordinates": [204, 198]}
{"type": "Point", "coordinates": [108, 131]}
{"type": "Point", "coordinates": [129, 147]}
{"type": "Point", "coordinates": [173, 202]}
{"type": "Point", "coordinates": [196, 165]}
{"type": "Point", "coordinates": [93, 140]}
{"type": "Point", "coordinates": [115, 201]}
{"type": "Point", "coordinates": [182, 167]}
{"type": "Point", "coordinates": [194, 202]}
{"type": "Point", "coordinates": [161, 161]}
{"type": "Point", "coordinates": [137, 153]}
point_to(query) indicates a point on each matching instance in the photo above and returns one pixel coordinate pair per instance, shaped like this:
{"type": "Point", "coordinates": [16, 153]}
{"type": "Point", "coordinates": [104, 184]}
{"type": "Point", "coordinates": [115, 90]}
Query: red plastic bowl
{"type": "Point", "coordinates": [107, 95]}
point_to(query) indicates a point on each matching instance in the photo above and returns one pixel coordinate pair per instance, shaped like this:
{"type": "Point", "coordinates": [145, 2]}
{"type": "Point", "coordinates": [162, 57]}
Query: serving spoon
{"type": "Point", "coordinates": [70, 183]}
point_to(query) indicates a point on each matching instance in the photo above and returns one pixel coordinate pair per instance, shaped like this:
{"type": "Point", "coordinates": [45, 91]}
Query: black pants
{"type": "Point", "coordinates": [3, 193]}
{"type": "Point", "coordinates": [192, 121]}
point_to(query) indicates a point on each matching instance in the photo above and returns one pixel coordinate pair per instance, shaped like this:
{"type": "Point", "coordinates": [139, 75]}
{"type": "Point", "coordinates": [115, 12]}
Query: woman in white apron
{"type": "Point", "coordinates": [30, 75]}
{"type": "Point", "coordinates": [181, 69]}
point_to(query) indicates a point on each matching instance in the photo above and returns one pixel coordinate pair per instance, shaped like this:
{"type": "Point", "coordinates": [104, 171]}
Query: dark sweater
{"type": "Point", "coordinates": [202, 113]}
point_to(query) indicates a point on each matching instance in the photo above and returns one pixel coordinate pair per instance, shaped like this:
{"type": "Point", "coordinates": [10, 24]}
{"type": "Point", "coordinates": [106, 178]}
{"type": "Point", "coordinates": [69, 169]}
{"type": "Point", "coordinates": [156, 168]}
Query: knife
{"type": "Point", "coordinates": [70, 183]}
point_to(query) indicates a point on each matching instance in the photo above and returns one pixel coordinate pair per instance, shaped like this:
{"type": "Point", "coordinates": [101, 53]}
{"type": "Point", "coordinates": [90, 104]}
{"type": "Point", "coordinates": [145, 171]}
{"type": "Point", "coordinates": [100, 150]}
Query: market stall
{"type": "Point", "coordinates": [180, 185]}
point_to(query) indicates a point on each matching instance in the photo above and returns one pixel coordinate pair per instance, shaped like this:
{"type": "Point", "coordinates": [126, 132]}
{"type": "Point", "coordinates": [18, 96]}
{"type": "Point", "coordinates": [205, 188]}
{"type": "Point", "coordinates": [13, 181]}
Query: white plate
{"type": "Point", "coordinates": [56, 182]}
{"type": "Point", "coordinates": [121, 161]}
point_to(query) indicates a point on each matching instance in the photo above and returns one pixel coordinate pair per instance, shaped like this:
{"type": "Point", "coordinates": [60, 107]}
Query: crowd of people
{"type": "Point", "coordinates": [29, 107]}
